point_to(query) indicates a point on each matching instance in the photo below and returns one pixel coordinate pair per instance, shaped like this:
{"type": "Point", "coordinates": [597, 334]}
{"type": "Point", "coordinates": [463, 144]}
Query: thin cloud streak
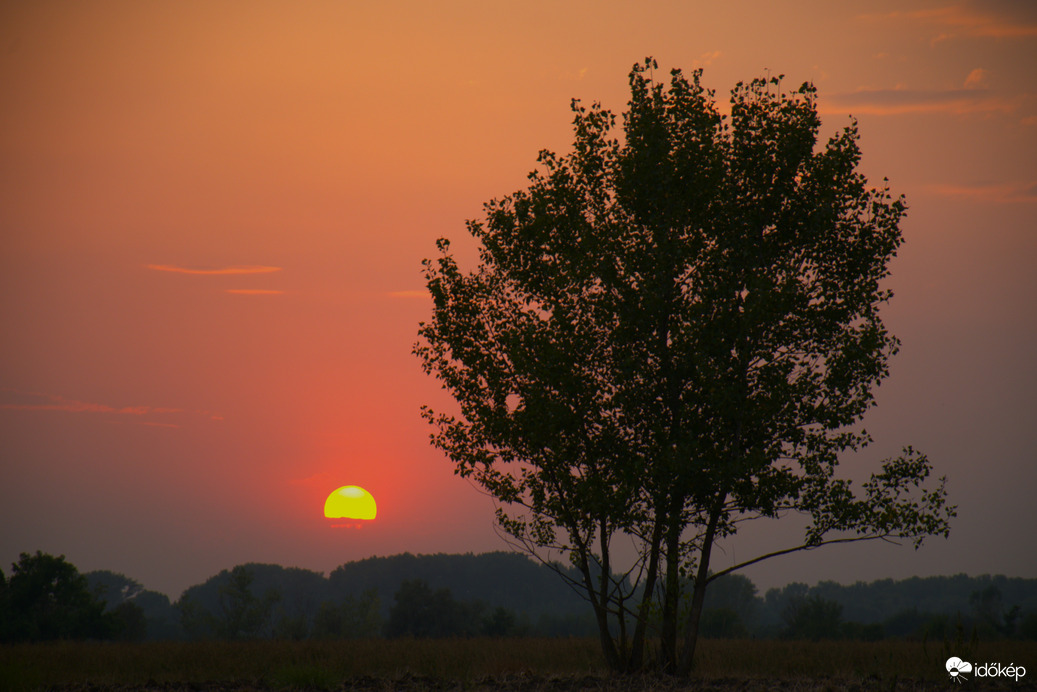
{"type": "Point", "coordinates": [965, 21]}
{"type": "Point", "coordinates": [706, 59]}
{"type": "Point", "coordinates": [1004, 193]}
{"type": "Point", "coordinates": [254, 291]}
{"type": "Point", "coordinates": [59, 403]}
{"type": "Point", "coordinates": [906, 101]}
{"type": "Point", "coordinates": [70, 407]}
{"type": "Point", "coordinates": [224, 271]}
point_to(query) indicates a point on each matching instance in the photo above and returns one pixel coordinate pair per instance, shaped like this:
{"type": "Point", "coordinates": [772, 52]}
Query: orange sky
{"type": "Point", "coordinates": [212, 218]}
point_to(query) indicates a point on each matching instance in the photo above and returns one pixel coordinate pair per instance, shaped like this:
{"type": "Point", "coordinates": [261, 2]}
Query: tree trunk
{"type": "Point", "coordinates": [671, 594]}
{"type": "Point", "coordinates": [605, 588]}
{"type": "Point", "coordinates": [698, 596]}
{"type": "Point", "coordinates": [608, 647]}
{"type": "Point", "coordinates": [638, 645]}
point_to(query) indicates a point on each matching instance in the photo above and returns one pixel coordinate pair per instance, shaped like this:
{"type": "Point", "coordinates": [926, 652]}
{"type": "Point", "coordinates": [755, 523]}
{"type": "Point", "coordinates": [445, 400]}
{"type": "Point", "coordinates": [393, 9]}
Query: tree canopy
{"type": "Point", "coordinates": [674, 329]}
{"type": "Point", "coordinates": [47, 598]}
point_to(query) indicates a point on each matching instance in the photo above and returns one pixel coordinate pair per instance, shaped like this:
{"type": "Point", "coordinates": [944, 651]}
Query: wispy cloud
{"type": "Point", "coordinates": [977, 78]}
{"type": "Point", "coordinates": [37, 401]}
{"type": "Point", "coordinates": [408, 294]}
{"type": "Point", "coordinates": [904, 101]}
{"type": "Point", "coordinates": [574, 76]}
{"type": "Point", "coordinates": [706, 59]}
{"type": "Point", "coordinates": [223, 271]}
{"type": "Point", "coordinates": [67, 405]}
{"type": "Point", "coordinates": [957, 20]}
{"type": "Point", "coordinates": [998, 193]}
{"type": "Point", "coordinates": [975, 23]}
{"type": "Point", "coordinates": [254, 291]}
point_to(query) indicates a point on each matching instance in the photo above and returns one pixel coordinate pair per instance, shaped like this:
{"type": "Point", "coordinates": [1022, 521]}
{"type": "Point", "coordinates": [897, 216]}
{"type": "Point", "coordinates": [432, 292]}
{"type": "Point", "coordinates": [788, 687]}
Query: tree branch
{"type": "Point", "coordinates": [805, 546]}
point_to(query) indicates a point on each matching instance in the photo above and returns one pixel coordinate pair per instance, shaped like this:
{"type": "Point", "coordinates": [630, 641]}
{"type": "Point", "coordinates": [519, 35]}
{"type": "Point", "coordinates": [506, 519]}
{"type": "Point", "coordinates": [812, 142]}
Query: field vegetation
{"type": "Point", "coordinates": [489, 663]}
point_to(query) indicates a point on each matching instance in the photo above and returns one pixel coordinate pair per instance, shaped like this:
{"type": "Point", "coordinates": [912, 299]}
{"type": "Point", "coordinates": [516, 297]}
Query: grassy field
{"type": "Point", "coordinates": [482, 664]}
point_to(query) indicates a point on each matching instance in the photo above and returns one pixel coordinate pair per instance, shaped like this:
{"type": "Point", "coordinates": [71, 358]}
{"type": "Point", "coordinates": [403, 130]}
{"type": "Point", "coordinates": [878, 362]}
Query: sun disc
{"type": "Point", "coordinates": [350, 502]}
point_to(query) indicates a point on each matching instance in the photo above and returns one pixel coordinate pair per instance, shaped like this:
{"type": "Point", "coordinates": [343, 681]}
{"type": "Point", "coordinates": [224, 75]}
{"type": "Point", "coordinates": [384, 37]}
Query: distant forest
{"type": "Point", "coordinates": [492, 594]}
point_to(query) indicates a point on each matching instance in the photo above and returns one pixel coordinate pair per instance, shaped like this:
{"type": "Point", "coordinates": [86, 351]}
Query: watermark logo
{"type": "Point", "coordinates": [960, 670]}
{"type": "Point", "coordinates": [957, 669]}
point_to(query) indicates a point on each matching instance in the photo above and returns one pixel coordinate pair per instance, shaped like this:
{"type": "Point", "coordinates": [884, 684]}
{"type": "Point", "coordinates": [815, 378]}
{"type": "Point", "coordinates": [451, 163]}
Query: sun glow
{"type": "Point", "coordinates": [350, 502]}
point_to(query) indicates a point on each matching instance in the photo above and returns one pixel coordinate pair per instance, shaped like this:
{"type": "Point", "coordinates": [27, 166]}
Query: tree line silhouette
{"type": "Point", "coordinates": [493, 594]}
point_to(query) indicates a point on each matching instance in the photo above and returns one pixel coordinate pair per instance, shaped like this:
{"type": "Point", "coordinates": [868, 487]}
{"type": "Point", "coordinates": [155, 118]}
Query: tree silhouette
{"type": "Point", "coordinates": [419, 611]}
{"type": "Point", "coordinates": [244, 615]}
{"type": "Point", "coordinates": [47, 598]}
{"type": "Point", "coordinates": [352, 618]}
{"type": "Point", "coordinates": [123, 595]}
{"type": "Point", "coordinates": [499, 623]}
{"type": "Point", "coordinates": [671, 334]}
{"type": "Point", "coordinates": [730, 607]}
{"type": "Point", "coordinates": [987, 606]}
{"type": "Point", "coordinates": [812, 618]}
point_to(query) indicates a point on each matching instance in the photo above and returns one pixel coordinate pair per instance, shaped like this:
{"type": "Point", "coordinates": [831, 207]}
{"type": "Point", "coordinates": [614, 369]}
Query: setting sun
{"type": "Point", "coordinates": [350, 502]}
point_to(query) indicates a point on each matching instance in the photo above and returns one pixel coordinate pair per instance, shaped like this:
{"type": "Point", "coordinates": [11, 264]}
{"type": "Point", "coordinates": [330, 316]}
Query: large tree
{"type": "Point", "coordinates": [670, 332]}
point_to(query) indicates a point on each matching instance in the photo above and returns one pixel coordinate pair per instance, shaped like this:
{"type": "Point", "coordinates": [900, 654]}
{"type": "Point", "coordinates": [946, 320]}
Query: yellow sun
{"type": "Point", "coordinates": [350, 502]}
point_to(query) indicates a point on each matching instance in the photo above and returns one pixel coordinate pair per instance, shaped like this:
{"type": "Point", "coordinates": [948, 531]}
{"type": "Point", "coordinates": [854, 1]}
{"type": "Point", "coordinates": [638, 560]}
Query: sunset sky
{"type": "Point", "coordinates": [213, 216]}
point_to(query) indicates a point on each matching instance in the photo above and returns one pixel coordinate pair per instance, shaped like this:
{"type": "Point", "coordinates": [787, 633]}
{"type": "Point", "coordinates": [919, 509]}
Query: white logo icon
{"type": "Point", "coordinates": [957, 667]}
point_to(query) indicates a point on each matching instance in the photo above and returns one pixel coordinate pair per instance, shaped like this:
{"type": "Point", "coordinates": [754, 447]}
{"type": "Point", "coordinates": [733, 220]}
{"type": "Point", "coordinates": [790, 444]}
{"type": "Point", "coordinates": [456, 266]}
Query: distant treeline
{"type": "Point", "coordinates": [493, 594]}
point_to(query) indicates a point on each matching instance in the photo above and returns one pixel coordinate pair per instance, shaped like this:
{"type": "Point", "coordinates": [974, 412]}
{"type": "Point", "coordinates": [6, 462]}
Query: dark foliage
{"type": "Point", "coordinates": [506, 594]}
{"type": "Point", "coordinates": [123, 595]}
{"type": "Point", "coordinates": [421, 612]}
{"type": "Point", "coordinates": [507, 579]}
{"type": "Point", "coordinates": [812, 617]}
{"type": "Point", "coordinates": [944, 609]}
{"type": "Point", "coordinates": [241, 609]}
{"type": "Point", "coordinates": [353, 618]}
{"type": "Point", "coordinates": [47, 598]}
{"type": "Point", "coordinates": [917, 608]}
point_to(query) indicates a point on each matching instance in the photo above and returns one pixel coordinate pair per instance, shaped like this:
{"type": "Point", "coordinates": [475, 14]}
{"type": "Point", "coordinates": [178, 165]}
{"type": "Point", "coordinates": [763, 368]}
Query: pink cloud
{"type": "Point", "coordinates": [960, 20]}
{"type": "Point", "coordinates": [224, 271]}
{"type": "Point", "coordinates": [30, 401]}
{"type": "Point", "coordinates": [706, 59]}
{"type": "Point", "coordinates": [69, 406]}
{"type": "Point", "coordinates": [976, 78]}
{"type": "Point", "coordinates": [998, 193]}
{"type": "Point", "coordinates": [905, 101]}
{"type": "Point", "coordinates": [973, 23]}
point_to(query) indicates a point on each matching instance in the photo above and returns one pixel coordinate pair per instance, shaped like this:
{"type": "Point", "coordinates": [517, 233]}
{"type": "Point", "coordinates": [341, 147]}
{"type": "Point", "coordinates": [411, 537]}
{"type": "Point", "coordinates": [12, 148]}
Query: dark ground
{"type": "Point", "coordinates": [535, 683]}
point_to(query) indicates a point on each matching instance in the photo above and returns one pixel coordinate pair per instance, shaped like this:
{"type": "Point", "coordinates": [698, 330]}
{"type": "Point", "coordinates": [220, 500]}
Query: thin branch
{"type": "Point", "coordinates": [805, 546]}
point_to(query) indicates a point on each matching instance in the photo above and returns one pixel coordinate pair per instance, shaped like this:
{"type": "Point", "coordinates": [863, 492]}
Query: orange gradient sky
{"type": "Point", "coordinates": [212, 218]}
